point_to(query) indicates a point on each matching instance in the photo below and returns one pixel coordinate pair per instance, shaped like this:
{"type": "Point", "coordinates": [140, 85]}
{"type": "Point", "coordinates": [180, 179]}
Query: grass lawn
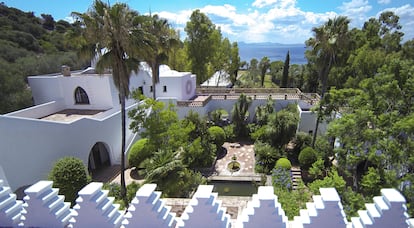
{"type": "Point", "coordinates": [246, 81]}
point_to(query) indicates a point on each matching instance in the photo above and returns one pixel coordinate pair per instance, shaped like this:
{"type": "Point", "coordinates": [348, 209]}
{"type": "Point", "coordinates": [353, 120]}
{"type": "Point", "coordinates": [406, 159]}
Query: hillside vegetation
{"type": "Point", "coordinates": [30, 45]}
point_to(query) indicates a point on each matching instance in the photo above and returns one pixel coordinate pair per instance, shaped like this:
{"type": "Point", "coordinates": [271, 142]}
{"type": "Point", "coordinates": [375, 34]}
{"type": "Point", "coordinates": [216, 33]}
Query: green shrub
{"type": "Point", "coordinates": [138, 152]}
{"type": "Point", "coordinates": [266, 156]}
{"type": "Point", "coordinates": [259, 133]}
{"type": "Point", "coordinates": [283, 163]}
{"type": "Point", "coordinates": [215, 116]}
{"type": "Point", "coordinates": [229, 130]}
{"type": "Point", "coordinates": [115, 191]}
{"type": "Point", "coordinates": [301, 140]}
{"type": "Point", "coordinates": [69, 174]}
{"type": "Point", "coordinates": [217, 135]}
{"type": "Point", "coordinates": [307, 157]}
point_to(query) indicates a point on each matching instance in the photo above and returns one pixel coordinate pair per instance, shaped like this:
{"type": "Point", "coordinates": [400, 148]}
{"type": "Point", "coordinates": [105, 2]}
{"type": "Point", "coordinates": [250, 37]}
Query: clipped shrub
{"type": "Point", "coordinates": [217, 135]}
{"type": "Point", "coordinates": [69, 174]}
{"type": "Point", "coordinates": [307, 157]}
{"type": "Point", "coordinates": [138, 152]}
{"type": "Point", "coordinates": [283, 163]}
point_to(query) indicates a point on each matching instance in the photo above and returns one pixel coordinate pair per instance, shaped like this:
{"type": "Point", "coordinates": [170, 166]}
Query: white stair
{"type": "Point", "coordinates": [148, 210]}
{"type": "Point", "coordinates": [262, 210]}
{"type": "Point", "coordinates": [10, 208]}
{"type": "Point", "coordinates": [94, 202]}
{"type": "Point", "coordinates": [44, 207]}
{"type": "Point", "coordinates": [204, 206]}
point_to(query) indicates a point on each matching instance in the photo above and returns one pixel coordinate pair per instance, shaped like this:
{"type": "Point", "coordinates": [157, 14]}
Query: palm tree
{"type": "Point", "coordinates": [162, 40]}
{"type": "Point", "coordinates": [328, 41]}
{"type": "Point", "coordinates": [113, 33]}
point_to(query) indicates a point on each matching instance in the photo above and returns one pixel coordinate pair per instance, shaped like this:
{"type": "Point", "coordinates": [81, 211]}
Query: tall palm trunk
{"type": "Point", "coordinates": [324, 76]}
{"type": "Point", "coordinates": [154, 93]}
{"type": "Point", "coordinates": [123, 133]}
{"type": "Point", "coordinates": [155, 78]}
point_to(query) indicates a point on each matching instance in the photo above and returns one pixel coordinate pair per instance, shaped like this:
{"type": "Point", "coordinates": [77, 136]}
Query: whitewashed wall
{"type": "Point", "coordinates": [306, 123]}
{"type": "Point", "coordinates": [31, 146]}
{"type": "Point", "coordinates": [98, 88]}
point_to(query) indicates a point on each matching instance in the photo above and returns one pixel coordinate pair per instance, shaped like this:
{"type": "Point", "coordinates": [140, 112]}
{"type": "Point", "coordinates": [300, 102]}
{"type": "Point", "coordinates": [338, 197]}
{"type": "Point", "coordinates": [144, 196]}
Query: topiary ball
{"type": "Point", "coordinates": [307, 157]}
{"type": "Point", "coordinates": [283, 163]}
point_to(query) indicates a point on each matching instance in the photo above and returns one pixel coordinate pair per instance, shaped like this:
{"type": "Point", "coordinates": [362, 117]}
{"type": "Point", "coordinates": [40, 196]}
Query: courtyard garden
{"type": "Point", "coordinates": [180, 154]}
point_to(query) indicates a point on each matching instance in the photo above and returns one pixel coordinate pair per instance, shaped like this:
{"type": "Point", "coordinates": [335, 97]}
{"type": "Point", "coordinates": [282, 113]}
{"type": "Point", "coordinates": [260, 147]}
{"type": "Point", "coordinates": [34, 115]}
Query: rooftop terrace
{"type": "Point", "coordinates": [70, 115]}
{"type": "Point", "coordinates": [205, 94]}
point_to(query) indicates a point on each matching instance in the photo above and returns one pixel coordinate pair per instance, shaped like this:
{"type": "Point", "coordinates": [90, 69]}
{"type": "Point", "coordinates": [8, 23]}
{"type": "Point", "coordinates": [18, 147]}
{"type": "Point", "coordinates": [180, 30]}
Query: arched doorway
{"type": "Point", "coordinates": [98, 157]}
{"type": "Point", "coordinates": [81, 97]}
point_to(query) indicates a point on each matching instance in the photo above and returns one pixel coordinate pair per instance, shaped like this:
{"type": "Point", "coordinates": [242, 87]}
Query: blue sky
{"type": "Point", "coordinates": [279, 21]}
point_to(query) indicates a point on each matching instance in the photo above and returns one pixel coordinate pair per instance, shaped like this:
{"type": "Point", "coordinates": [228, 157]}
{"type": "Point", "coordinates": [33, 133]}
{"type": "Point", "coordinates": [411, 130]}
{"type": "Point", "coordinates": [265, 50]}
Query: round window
{"type": "Point", "coordinates": [189, 87]}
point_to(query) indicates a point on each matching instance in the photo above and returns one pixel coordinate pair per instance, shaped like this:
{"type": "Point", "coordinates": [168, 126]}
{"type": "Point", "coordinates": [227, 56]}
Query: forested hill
{"type": "Point", "coordinates": [30, 45]}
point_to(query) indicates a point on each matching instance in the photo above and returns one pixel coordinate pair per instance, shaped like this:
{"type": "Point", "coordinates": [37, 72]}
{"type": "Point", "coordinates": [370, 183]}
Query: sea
{"type": "Point", "coordinates": [274, 51]}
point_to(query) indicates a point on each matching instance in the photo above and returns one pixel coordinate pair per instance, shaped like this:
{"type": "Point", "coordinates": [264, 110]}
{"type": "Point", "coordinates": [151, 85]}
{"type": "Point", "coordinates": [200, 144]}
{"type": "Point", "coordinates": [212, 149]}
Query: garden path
{"type": "Point", "coordinates": [244, 153]}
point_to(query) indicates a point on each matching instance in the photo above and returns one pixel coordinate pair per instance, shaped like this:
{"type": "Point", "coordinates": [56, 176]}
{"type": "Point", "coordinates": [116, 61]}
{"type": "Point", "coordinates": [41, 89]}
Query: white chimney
{"type": "Point", "coordinates": [66, 71]}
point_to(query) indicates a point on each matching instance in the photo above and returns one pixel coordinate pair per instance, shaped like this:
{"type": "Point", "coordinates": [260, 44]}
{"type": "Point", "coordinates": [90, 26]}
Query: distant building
{"type": "Point", "coordinates": [78, 114]}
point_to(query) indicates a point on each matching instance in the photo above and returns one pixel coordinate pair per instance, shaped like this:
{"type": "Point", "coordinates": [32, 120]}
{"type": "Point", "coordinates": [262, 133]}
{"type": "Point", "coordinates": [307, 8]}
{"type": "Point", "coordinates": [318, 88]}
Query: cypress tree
{"type": "Point", "coordinates": [285, 76]}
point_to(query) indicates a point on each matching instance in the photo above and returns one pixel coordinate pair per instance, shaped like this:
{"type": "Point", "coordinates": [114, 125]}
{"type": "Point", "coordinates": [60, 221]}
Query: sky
{"type": "Point", "coordinates": [277, 21]}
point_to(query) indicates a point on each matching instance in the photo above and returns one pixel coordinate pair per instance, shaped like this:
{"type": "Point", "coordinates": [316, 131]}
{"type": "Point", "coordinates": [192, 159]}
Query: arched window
{"type": "Point", "coordinates": [80, 96]}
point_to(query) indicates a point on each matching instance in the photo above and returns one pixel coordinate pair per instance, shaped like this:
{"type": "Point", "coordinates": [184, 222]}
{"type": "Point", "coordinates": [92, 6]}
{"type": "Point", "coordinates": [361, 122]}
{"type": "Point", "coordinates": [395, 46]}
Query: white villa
{"type": "Point", "coordinates": [78, 114]}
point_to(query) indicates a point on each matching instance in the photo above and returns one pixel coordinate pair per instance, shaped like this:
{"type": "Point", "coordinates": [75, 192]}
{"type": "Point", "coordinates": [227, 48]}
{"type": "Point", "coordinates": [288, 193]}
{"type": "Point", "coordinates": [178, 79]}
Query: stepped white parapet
{"type": "Point", "coordinates": [95, 209]}
{"type": "Point", "coordinates": [410, 223]}
{"type": "Point", "coordinates": [204, 210]}
{"type": "Point", "coordinates": [10, 208]}
{"type": "Point", "coordinates": [148, 210]}
{"type": "Point", "coordinates": [44, 207]}
{"type": "Point", "coordinates": [264, 209]}
{"type": "Point", "coordinates": [387, 210]}
{"type": "Point", "coordinates": [325, 211]}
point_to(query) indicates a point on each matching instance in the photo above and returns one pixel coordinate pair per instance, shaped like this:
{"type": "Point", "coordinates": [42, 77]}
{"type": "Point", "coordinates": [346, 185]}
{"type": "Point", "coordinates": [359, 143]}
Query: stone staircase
{"type": "Point", "coordinates": [296, 175]}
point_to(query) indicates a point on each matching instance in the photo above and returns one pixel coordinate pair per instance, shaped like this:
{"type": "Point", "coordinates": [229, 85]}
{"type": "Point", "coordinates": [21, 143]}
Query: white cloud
{"type": "Point", "coordinates": [179, 18]}
{"type": "Point", "coordinates": [279, 21]}
{"type": "Point", "coordinates": [356, 10]}
{"type": "Point", "coordinates": [263, 3]}
{"type": "Point", "coordinates": [355, 7]}
{"type": "Point", "coordinates": [384, 2]}
{"type": "Point", "coordinates": [278, 3]}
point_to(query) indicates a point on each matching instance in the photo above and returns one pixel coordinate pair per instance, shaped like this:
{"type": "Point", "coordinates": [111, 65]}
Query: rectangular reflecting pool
{"type": "Point", "coordinates": [234, 188]}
